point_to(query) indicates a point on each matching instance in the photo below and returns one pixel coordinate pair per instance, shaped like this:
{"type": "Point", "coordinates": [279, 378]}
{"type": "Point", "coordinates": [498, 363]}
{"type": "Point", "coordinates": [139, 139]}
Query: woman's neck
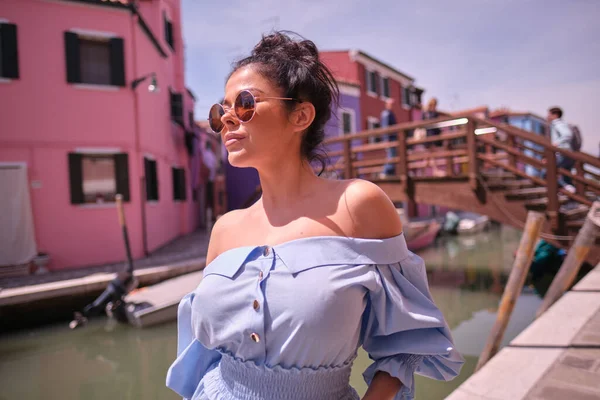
{"type": "Point", "coordinates": [286, 183]}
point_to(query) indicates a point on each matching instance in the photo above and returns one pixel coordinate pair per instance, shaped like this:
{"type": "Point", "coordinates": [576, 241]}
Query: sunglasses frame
{"type": "Point", "coordinates": [257, 99]}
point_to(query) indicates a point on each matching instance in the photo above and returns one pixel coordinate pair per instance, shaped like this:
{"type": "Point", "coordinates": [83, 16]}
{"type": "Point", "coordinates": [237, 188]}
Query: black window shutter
{"type": "Point", "coordinates": [122, 174]}
{"type": "Point", "coordinates": [182, 188]}
{"type": "Point", "coordinates": [148, 179]}
{"type": "Point", "coordinates": [10, 55]}
{"type": "Point", "coordinates": [175, 183]}
{"type": "Point", "coordinates": [117, 62]}
{"type": "Point", "coordinates": [76, 178]}
{"type": "Point", "coordinates": [73, 58]}
{"type": "Point", "coordinates": [154, 173]}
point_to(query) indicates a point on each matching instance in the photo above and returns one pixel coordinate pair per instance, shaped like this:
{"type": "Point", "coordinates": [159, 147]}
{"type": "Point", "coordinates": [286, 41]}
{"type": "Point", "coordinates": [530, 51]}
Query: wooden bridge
{"type": "Point", "coordinates": [479, 167]}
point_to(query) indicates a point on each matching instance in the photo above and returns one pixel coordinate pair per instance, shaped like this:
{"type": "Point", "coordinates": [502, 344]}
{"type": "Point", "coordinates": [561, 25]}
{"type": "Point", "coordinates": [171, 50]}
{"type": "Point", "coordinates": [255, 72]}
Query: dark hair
{"type": "Point", "coordinates": [294, 66]}
{"type": "Point", "coordinates": [556, 111]}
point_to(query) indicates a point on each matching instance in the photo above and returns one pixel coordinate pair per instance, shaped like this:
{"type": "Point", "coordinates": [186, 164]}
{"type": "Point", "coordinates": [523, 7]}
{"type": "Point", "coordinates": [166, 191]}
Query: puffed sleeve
{"type": "Point", "coordinates": [403, 330]}
{"type": "Point", "coordinates": [193, 359]}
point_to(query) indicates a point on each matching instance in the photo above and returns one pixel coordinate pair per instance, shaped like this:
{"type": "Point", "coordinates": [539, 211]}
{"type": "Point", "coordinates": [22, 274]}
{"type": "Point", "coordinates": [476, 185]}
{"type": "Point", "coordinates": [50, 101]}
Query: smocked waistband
{"type": "Point", "coordinates": [239, 380]}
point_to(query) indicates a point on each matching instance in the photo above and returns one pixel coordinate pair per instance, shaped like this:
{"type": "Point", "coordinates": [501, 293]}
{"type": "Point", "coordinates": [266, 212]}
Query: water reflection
{"type": "Point", "coordinates": [107, 361]}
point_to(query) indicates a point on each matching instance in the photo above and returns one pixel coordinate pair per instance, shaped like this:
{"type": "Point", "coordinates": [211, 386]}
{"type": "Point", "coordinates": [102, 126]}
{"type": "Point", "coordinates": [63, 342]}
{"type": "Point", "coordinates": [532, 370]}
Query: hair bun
{"type": "Point", "coordinates": [280, 43]}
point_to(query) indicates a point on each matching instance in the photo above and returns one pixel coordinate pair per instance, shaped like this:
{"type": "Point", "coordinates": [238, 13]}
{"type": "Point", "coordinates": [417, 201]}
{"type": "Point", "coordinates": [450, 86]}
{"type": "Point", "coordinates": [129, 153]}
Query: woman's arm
{"type": "Point", "coordinates": [383, 387]}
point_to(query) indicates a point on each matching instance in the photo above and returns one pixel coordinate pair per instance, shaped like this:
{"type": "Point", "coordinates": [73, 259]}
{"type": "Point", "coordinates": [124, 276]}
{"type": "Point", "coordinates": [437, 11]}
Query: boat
{"type": "Point", "coordinates": [425, 234]}
{"type": "Point", "coordinates": [158, 303]}
{"type": "Point", "coordinates": [419, 234]}
{"type": "Point", "coordinates": [472, 225]}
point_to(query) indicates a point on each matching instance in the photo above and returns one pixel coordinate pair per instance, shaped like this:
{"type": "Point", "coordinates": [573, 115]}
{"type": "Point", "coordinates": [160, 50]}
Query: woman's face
{"type": "Point", "coordinates": [269, 136]}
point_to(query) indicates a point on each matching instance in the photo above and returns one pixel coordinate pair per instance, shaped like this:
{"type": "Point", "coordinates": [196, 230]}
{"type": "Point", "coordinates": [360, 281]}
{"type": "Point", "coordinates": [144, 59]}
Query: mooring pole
{"type": "Point", "coordinates": [577, 254]}
{"type": "Point", "coordinates": [516, 280]}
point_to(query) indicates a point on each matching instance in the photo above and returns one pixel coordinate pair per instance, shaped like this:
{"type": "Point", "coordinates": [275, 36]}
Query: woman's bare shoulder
{"type": "Point", "coordinates": [223, 229]}
{"type": "Point", "coordinates": [372, 212]}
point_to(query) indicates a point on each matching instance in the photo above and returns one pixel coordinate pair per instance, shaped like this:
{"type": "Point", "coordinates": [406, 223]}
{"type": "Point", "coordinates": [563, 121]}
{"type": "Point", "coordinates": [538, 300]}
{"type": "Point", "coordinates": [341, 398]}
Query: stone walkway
{"type": "Point", "coordinates": [183, 248]}
{"type": "Point", "coordinates": [556, 357]}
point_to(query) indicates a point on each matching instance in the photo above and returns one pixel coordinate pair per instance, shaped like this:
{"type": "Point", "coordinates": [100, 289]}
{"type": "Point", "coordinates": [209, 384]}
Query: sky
{"type": "Point", "coordinates": [526, 55]}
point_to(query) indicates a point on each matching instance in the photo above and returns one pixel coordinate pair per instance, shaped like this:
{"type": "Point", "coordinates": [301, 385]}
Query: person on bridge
{"type": "Point", "coordinates": [562, 137]}
{"type": "Point", "coordinates": [389, 119]}
{"type": "Point", "coordinates": [315, 269]}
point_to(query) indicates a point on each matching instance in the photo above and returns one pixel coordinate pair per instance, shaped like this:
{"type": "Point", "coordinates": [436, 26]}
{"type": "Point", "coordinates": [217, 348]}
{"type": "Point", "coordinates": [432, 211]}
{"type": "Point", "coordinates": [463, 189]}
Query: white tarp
{"type": "Point", "coordinates": [17, 236]}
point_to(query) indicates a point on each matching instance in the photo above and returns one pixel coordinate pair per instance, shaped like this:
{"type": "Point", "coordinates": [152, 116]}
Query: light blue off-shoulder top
{"type": "Point", "coordinates": [285, 322]}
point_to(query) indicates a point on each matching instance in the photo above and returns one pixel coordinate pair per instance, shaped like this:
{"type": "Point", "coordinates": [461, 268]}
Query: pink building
{"type": "Point", "coordinates": [93, 103]}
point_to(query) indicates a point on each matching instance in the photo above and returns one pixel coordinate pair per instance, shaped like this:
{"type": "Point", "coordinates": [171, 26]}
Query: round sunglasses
{"type": "Point", "coordinates": [244, 108]}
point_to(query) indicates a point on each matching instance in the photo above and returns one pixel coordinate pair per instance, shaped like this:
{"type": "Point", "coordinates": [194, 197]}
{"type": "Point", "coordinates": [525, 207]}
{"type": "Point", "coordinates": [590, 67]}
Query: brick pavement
{"type": "Point", "coordinates": [186, 247]}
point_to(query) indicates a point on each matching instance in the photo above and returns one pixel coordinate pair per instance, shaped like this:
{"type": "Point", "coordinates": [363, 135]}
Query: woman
{"type": "Point", "coordinates": [314, 269]}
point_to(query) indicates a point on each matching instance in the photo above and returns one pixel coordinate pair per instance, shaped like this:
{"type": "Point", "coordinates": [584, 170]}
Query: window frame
{"type": "Point", "coordinates": [352, 114]}
{"type": "Point", "coordinates": [151, 188]}
{"type": "Point", "coordinates": [168, 31]}
{"type": "Point", "coordinates": [371, 78]}
{"type": "Point", "coordinates": [371, 121]}
{"type": "Point", "coordinates": [9, 66]}
{"type": "Point", "coordinates": [116, 58]}
{"type": "Point", "coordinates": [77, 178]}
{"type": "Point", "coordinates": [178, 178]}
{"type": "Point", "coordinates": [384, 80]}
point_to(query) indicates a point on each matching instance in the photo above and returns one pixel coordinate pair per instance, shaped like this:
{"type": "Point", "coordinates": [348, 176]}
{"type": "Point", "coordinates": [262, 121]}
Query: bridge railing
{"type": "Point", "coordinates": [466, 148]}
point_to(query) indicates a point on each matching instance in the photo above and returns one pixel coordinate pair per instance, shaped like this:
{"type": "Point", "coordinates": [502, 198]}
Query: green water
{"type": "Point", "coordinates": [117, 362]}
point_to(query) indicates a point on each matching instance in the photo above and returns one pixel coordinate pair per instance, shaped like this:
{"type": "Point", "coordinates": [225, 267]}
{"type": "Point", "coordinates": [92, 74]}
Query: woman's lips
{"type": "Point", "coordinates": [233, 139]}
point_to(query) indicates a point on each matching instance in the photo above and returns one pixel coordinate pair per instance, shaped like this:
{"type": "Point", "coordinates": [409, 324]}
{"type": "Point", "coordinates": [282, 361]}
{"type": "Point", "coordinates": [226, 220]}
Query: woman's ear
{"type": "Point", "coordinates": [302, 116]}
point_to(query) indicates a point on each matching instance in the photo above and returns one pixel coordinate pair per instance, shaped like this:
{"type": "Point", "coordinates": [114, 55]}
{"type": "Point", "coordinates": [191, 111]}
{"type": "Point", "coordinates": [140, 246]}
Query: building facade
{"type": "Point", "coordinates": [94, 104]}
{"type": "Point", "coordinates": [377, 82]}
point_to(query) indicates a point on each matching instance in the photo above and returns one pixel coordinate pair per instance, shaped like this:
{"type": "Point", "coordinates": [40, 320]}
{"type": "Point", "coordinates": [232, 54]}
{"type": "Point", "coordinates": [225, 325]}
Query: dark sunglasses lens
{"type": "Point", "coordinates": [214, 118]}
{"type": "Point", "coordinates": [244, 106]}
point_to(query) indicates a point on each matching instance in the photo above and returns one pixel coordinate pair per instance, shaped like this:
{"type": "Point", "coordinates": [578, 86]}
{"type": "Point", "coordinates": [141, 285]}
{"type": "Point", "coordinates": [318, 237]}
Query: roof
{"type": "Point", "coordinates": [347, 82]}
{"type": "Point", "coordinates": [127, 4]}
{"type": "Point", "coordinates": [364, 54]}
{"type": "Point", "coordinates": [501, 112]}
{"type": "Point", "coordinates": [384, 64]}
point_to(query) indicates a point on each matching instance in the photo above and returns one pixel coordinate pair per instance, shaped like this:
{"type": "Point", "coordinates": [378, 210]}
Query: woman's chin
{"type": "Point", "coordinates": [239, 159]}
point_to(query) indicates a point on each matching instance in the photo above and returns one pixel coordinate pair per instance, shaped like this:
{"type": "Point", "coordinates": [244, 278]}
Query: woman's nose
{"type": "Point", "coordinates": [230, 120]}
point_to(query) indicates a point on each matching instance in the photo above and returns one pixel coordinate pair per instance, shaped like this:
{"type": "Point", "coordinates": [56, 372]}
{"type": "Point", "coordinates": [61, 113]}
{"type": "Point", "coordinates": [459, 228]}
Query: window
{"type": "Point", "coordinates": [177, 107]}
{"type": "Point", "coordinates": [168, 31]}
{"type": "Point", "coordinates": [97, 178]}
{"type": "Point", "coordinates": [347, 122]}
{"type": "Point", "coordinates": [94, 60]}
{"type": "Point", "coordinates": [9, 59]}
{"type": "Point", "coordinates": [151, 179]}
{"type": "Point", "coordinates": [179, 190]}
{"type": "Point", "coordinates": [405, 96]}
{"type": "Point", "coordinates": [385, 83]}
{"type": "Point", "coordinates": [371, 82]}
{"type": "Point", "coordinates": [373, 123]}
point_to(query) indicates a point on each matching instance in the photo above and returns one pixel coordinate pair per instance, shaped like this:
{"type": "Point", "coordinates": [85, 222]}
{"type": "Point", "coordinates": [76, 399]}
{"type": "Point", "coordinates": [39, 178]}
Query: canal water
{"type": "Point", "coordinates": [105, 360]}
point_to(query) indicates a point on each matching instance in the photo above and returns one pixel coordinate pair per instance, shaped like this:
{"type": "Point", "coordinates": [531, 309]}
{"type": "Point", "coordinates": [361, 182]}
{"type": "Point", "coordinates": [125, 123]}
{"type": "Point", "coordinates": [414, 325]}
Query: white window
{"type": "Point", "coordinates": [373, 123]}
{"type": "Point", "coordinates": [385, 84]}
{"type": "Point", "coordinates": [371, 80]}
{"type": "Point", "coordinates": [347, 121]}
{"type": "Point", "coordinates": [405, 96]}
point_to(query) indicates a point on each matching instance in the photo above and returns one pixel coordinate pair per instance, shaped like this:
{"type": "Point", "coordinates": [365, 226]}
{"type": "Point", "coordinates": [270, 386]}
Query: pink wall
{"type": "Point", "coordinates": [44, 118]}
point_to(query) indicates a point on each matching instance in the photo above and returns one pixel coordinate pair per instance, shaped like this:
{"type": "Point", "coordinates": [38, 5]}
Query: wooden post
{"type": "Point", "coordinates": [348, 170]}
{"type": "Point", "coordinates": [552, 185]}
{"type": "Point", "coordinates": [569, 269]}
{"type": "Point", "coordinates": [472, 154]}
{"type": "Point", "coordinates": [516, 280]}
{"type": "Point", "coordinates": [579, 186]}
{"type": "Point", "coordinates": [512, 160]}
{"type": "Point", "coordinates": [403, 167]}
